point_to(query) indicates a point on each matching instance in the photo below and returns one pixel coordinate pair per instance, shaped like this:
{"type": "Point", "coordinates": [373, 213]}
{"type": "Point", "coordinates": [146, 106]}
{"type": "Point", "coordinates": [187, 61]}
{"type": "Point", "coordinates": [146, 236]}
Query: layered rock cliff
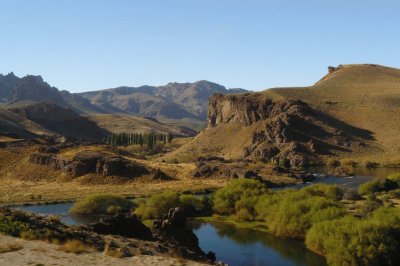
{"type": "Point", "coordinates": [284, 129]}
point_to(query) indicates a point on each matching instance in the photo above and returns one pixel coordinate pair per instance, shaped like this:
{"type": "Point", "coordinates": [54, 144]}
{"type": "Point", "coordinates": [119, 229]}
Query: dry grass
{"type": "Point", "coordinates": [74, 246]}
{"type": "Point", "coordinates": [9, 247]}
{"type": "Point", "coordinates": [135, 124]}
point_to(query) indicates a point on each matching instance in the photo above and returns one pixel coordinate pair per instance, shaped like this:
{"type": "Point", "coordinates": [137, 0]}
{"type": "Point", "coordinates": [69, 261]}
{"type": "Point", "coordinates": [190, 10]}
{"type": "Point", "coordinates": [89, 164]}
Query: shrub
{"type": "Point", "coordinates": [158, 205]}
{"type": "Point", "coordinates": [238, 194]}
{"type": "Point", "coordinates": [191, 202]}
{"type": "Point", "coordinates": [9, 247]}
{"type": "Point", "coordinates": [395, 177]}
{"type": "Point", "coordinates": [101, 204]}
{"type": "Point", "coordinates": [348, 163]}
{"type": "Point", "coordinates": [332, 162]}
{"type": "Point", "coordinates": [332, 192]}
{"type": "Point", "coordinates": [9, 226]}
{"type": "Point", "coordinates": [296, 214]}
{"type": "Point", "coordinates": [377, 185]}
{"type": "Point", "coordinates": [352, 241]}
{"type": "Point", "coordinates": [370, 164]}
{"type": "Point", "coordinates": [74, 246]}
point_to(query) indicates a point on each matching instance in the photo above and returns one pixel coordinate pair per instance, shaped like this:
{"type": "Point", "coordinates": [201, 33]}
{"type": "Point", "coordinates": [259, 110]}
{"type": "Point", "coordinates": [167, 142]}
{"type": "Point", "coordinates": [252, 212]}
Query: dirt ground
{"type": "Point", "coordinates": [18, 252]}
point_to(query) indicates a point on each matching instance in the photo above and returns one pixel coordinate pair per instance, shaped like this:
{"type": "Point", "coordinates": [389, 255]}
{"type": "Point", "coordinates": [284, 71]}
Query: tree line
{"type": "Point", "coordinates": [150, 140]}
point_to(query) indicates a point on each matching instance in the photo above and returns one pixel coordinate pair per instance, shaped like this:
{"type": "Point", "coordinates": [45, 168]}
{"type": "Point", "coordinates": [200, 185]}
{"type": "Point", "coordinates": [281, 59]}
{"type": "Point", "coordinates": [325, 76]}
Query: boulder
{"type": "Point", "coordinates": [123, 225]}
{"type": "Point", "coordinates": [171, 229]}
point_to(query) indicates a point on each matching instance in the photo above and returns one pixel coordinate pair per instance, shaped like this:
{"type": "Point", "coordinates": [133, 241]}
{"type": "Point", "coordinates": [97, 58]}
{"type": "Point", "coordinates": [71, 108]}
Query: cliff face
{"type": "Point", "coordinates": [283, 129]}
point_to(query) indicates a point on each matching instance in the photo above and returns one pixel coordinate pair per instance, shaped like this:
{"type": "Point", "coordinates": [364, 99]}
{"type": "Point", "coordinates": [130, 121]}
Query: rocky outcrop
{"type": "Point", "coordinates": [171, 229]}
{"type": "Point", "coordinates": [125, 225]}
{"type": "Point", "coordinates": [283, 129]}
{"type": "Point", "coordinates": [87, 162]}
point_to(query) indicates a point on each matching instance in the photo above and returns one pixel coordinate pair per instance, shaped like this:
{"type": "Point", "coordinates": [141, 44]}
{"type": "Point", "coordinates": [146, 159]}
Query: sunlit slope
{"type": "Point", "coordinates": [365, 96]}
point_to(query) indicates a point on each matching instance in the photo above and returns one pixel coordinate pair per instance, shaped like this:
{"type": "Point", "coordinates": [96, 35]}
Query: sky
{"type": "Point", "coordinates": [84, 45]}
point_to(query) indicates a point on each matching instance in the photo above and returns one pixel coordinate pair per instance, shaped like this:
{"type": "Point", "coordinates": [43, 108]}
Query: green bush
{"type": "Point", "coordinates": [370, 164]}
{"type": "Point", "coordinates": [395, 177]}
{"type": "Point", "coordinates": [377, 185]}
{"type": "Point", "coordinates": [296, 214]}
{"type": "Point", "coordinates": [9, 226]}
{"type": "Point", "coordinates": [159, 205]}
{"type": "Point", "coordinates": [101, 204]}
{"type": "Point", "coordinates": [373, 240]}
{"type": "Point", "coordinates": [332, 162]}
{"type": "Point", "coordinates": [332, 192]}
{"type": "Point", "coordinates": [348, 163]}
{"type": "Point", "coordinates": [237, 195]}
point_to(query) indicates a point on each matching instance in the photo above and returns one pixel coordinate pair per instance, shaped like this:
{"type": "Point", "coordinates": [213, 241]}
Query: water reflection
{"type": "Point", "coordinates": [239, 246]}
{"type": "Point", "coordinates": [62, 210]}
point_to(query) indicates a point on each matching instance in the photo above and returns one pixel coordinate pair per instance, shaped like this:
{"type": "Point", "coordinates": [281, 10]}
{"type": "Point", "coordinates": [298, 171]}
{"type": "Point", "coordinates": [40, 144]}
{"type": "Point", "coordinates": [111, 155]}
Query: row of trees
{"type": "Point", "coordinates": [150, 140]}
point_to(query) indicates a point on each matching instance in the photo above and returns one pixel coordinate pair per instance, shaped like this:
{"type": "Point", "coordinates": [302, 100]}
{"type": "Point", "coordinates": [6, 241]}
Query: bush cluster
{"type": "Point", "coordinates": [373, 240]}
{"type": "Point", "coordinates": [101, 204]}
{"type": "Point", "coordinates": [159, 204]}
{"type": "Point", "coordinates": [380, 185]}
{"type": "Point", "coordinates": [316, 214]}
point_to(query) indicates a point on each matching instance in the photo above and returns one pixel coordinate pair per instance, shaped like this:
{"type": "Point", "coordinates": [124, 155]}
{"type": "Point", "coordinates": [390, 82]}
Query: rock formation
{"type": "Point", "coordinates": [87, 162]}
{"type": "Point", "coordinates": [171, 229]}
{"type": "Point", "coordinates": [281, 129]}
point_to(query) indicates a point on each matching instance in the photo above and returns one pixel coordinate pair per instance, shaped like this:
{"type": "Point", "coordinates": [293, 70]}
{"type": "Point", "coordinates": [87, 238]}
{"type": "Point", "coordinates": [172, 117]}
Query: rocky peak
{"type": "Point", "coordinates": [33, 88]}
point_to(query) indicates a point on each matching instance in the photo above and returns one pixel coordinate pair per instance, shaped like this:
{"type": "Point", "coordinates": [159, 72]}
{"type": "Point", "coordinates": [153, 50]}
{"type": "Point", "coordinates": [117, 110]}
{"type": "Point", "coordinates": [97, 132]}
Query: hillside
{"type": "Point", "coordinates": [135, 124]}
{"type": "Point", "coordinates": [353, 111]}
{"type": "Point", "coordinates": [62, 121]}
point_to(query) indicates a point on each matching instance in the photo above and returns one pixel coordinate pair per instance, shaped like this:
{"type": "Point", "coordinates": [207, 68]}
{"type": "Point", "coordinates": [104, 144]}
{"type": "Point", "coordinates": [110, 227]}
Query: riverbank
{"type": "Point", "coordinates": [18, 252]}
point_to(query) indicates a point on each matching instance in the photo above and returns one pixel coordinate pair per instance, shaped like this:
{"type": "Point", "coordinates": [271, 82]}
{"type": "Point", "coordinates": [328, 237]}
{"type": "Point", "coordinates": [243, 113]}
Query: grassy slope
{"type": "Point", "coordinates": [134, 124]}
{"type": "Point", "coordinates": [364, 96]}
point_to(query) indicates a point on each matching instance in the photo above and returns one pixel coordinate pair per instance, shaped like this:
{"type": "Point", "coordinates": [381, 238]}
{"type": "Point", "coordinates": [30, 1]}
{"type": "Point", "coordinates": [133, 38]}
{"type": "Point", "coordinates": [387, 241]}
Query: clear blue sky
{"type": "Point", "coordinates": [87, 45]}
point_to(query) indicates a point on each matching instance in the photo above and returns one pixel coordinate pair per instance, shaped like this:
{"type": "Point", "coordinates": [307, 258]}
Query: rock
{"type": "Point", "coordinates": [171, 229]}
{"type": "Point", "coordinates": [341, 171]}
{"type": "Point", "coordinates": [204, 171]}
{"type": "Point", "coordinates": [49, 149]}
{"type": "Point", "coordinates": [122, 225]}
{"type": "Point", "coordinates": [157, 174]}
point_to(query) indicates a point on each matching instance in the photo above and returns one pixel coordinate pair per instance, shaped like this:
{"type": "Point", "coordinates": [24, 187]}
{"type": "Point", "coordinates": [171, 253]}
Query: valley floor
{"type": "Point", "coordinates": [16, 252]}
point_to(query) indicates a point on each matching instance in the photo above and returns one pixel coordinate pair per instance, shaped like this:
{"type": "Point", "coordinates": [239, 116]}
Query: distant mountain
{"type": "Point", "coordinates": [172, 101]}
{"type": "Point", "coordinates": [34, 89]}
{"type": "Point", "coordinates": [7, 83]}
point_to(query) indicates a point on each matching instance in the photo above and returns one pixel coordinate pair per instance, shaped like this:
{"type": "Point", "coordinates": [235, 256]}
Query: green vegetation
{"type": "Point", "coordinates": [158, 205]}
{"type": "Point", "coordinates": [379, 185]}
{"type": "Point", "coordinates": [373, 240]}
{"type": "Point", "coordinates": [11, 227]}
{"type": "Point", "coordinates": [345, 232]}
{"type": "Point", "coordinates": [150, 140]}
{"type": "Point", "coordinates": [332, 162]}
{"type": "Point", "coordinates": [239, 197]}
{"type": "Point", "coordinates": [101, 204]}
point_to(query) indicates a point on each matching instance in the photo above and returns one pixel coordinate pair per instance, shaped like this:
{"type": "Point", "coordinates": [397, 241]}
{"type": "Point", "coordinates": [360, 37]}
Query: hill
{"type": "Point", "coordinates": [62, 121]}
{"type": "Point", "coordinates": [116, 123]}
{"type": "Point", "coordinates": [353, 111]}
